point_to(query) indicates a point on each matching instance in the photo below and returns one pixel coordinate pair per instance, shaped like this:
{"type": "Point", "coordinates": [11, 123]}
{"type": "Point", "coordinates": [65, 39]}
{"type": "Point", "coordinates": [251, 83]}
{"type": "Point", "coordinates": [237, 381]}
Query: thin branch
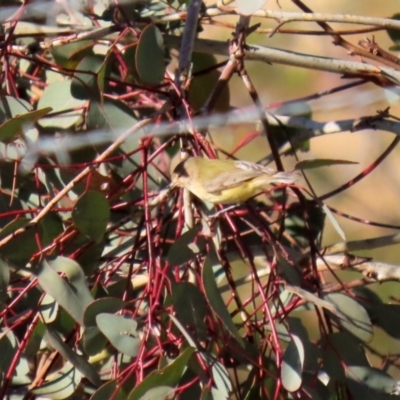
{"type": "Point", "coordinates": [272, 55]}
{"type": "Point", "coordinates": [363, 244]}
{"type": "Point", "coordinates": [285, 16]}
{"type": "Point", "coordinates": [77, 179]}
{"type": "Point", "coordinates": [376, 270]}
{"type": "Point", "coordinates": [186, 48]}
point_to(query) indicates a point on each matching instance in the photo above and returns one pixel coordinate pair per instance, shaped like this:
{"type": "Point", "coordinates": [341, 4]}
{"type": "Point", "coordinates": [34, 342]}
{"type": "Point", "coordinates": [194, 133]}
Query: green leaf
{"type": "Point", "coordinates": [50, 228]}
{"type": "Point", "coordinates": [221, 379]}
{"type": "Point", "coordinates": [118, 330]}
{"type": "Point", "coordinates": [129, 56]}
{"type": "Point", "coordinates": [75, 359]}
{"type": "Point", "coordinates": [16, 126]}
{"type": "Point", "coordinates": [215, 300]}
{"type": "Point", "coordinates": [76, 277]}
{"type": "Point", "coordinates": [58, 97]}
{"type": "Point", "coordinates": [4, 281]}
{"type": "Point", "coordinates": [35, 340]}
{"type": "Point", "coordinates": [334, 222]}
{"type": "Point", "coordinates": [186, 247]}
{"type": "Point", "coordinates": [190, 307]}
{"type": "Point", "coordinates": [110, 114]}
{"type": "Point", "coordinates": [11, 107]}
{"type": "Point", "coordinates": [394, 34]}
{"type": "Point", "coordinates": [60, 385]}
{"type": "Point", "coordinates": [321, 162]}
{"type": "Point", "coordinates": [104, 305]}
{"type": "Point", "coordinates": [340, 349]}
{"type": "Point", "coordinates": [69, 55]}
{"type": "Point", "coordinates": [88, 83]}
{"type": "Point", "coordinates": [292, 365]}
{"type": "Point", "coordinates": [374, 378]}
{"type": "Point", "coordinates": [8, 203]}
{"type": "Point", "coordinates": [386, 316]}
{"type": "Point", "coordinates": [48, 308]}
{"type": "Point", "coordinates": [311, 350]}
{"type": "Point", "coordinates": [288, 135]}
{"type": "Point", "coordinates": [314, 388]}
{"type": "Point", "coordinates": [305, 227]}
{"type": "Point", "coordinates": [65, 294]}
{"type": "Point", "coordinates": [93, 340]}
{"type": "Point", "coordinates": [20, 249]}
{"type": "Point", "coordinates": [110, 389]}
{"type": "Point", "coordinates": [150, 63]}
{"type": "Point", "coordinates": [165, 379]}
{"type": "Point", "coordinates": [8, 348]}
{"type": "Point", "coordinates": [91, 214]}
{"type": "Point", "coordinates": [203, 85]}
{"type": "Point", "coordinates": [351, 316]}
{"type": "Point", "coordinates": [88, 259]}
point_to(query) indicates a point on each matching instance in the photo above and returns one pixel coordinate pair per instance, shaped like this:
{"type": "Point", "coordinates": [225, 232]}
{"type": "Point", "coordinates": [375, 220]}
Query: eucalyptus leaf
{"type": "Point", "coordinates": [91, 214]}
{"type": "Point", "coordinates": [16, 126]}
{"type": "Point", "coordinates": [19, 249]}
{"type": "Point", "coordinates": [75, 275]}
{"type": "Point", "coordinates": [372, 377]}
{"type": "Point", "coordinates": [221, 379]}
{"type": "Point", "coordinates": [68, 110]}
{"type": "Point", "coordinates": [334, 222]}
{"type": "Point", "coordinates": [340, 349]}
{"type": "Point", "coordinates": [394, 34]}
{"type": "Point", "coordinates": [4, 281]}
{"type": "Point", "coordinates": [60, 385]}
{"type": "Point", "coordinates": [351, 315]}
{"type": "Point", "coordinates": [11, 107]}
{"type": "Point", "coordinates": [321, 162]}
{"type": "Point", "coordinates": [191, 307]}
{"type": "Point", "coordinates": [215, 300]}
{"type": "Point", "coordinates": [166, 378]}
{"type": "Point", "coordinates": [186, 247]}
{"type": "Point", "coordinates": [386, 316]}
{"type": "Point", "coordinates": [8, 348]}
{"type": "Point", "coordinates": [61, 291]}
{"type": "Point", "coordinates": [150, 63]}
{"type": "Point", "coordinates": [75, 359]}
{"type": "Point", "coordinates": [88, 83]}
{"type": "Point", "coordinates": [93, 340]}
{"type": "Point", "coordinates": [48, 308]}
{"type": "Point", "coordinates": [111, 114]}
{"type": "Point", "coordinates": [111, 389]}
{"type": "Point", "coordinates": [292, 365]}
{"type": "Point", "coordinates": [71, 54]}
{"type": "Point", "coordinates": [120, 331]}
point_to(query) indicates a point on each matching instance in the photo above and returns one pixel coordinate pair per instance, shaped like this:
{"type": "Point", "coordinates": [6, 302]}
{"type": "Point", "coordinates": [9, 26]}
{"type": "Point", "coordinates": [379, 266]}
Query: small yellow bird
{"type": "Point", "coordinates": [226, 181]}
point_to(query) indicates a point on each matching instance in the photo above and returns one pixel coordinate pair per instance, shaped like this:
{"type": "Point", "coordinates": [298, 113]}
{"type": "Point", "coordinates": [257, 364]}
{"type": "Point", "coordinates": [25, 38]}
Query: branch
{"type": "Point", "coordinates": [375, 270]}
{"type": "Point", "coordinates": [272, 55]}
{"type": "Point", "coordinates": [284, 16]}
{"type": "Point", "coordinates": [365, 244]}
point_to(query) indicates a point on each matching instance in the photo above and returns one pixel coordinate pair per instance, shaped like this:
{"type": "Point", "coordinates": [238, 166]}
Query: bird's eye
{"type": "Point", "coordinates": [180, 170]}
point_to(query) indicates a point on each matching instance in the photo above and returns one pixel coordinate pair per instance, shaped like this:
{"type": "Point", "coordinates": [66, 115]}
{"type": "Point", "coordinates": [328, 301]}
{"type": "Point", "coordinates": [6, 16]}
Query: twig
{"type": "Point", "coordinates": [74, 181]}
{"type": "Point", "coordinates": [186, 48]}
{"type": "Point", "coordinates": [308, 17]}
{"type": "Point", "coordinates": [376, 270]}
{"type": "Point", "coordinates": [364, 244]}
{"type": "Point", "coordinates": [271, 55]}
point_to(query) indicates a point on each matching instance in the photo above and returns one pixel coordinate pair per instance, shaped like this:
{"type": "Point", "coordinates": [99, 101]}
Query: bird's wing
{"type": "Point", "coordinates": [244, 171]}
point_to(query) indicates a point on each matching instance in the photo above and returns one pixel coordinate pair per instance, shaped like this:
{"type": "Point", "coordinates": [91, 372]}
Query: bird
{"type": "Point", "coordinates": [226, 181]}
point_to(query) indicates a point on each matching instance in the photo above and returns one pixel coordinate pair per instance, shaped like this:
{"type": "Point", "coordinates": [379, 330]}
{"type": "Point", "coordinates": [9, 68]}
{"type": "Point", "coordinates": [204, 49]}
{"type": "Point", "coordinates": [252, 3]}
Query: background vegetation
{"type": "Point", "coordinates": [111, 287]}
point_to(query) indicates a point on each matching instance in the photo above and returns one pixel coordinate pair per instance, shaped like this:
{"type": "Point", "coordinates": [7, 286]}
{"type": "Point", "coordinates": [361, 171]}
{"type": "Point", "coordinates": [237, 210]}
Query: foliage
{"type": "Point", "coordinates": [110, 291]}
